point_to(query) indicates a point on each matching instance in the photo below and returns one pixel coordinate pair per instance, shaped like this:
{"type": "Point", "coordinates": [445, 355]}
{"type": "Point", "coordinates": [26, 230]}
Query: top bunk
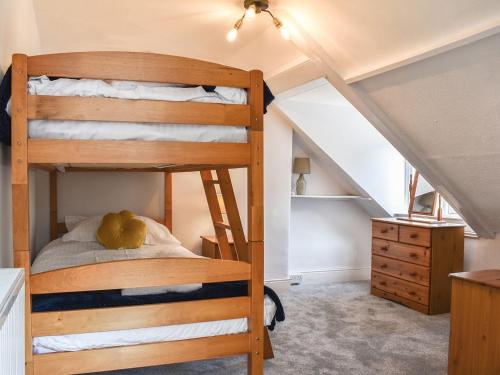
{"type": "Point", "coordinates": [54, 125]}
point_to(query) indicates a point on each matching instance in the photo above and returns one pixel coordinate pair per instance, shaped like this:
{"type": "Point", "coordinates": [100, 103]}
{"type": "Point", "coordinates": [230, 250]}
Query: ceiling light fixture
{"type": "Point", "coordinates": [252, 8]}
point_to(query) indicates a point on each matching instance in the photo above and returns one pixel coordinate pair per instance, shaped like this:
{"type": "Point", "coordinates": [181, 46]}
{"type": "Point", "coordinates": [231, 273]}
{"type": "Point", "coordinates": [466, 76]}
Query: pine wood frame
{"type": "Point", "coordinates": [180, 156]}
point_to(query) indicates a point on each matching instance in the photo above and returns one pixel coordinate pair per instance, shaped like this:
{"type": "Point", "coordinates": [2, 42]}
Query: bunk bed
{"type": "Point", "coordinates": [245, 264]}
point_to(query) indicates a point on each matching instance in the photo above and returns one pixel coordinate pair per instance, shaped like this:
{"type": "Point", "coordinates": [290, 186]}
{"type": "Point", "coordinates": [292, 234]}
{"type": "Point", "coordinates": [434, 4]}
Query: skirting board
{"type": "Point", "coordinates": [322, 277]}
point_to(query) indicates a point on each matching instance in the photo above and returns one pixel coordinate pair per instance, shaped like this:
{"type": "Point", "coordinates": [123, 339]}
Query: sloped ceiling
{"type": "Point", "coordinates": [448, 106]}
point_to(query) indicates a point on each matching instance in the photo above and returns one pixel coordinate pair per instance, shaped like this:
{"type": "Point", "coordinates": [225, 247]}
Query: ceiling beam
{"type": "Point", "coordinates": [455, 41]}
{"type": "Point", "coordinates": [355, 94]}
{"type": "Point", "coordinates": [294, 76]}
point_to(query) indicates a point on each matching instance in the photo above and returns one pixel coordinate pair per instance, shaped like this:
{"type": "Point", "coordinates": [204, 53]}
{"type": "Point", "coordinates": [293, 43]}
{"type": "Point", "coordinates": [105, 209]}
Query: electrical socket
{"type": "Point", "coordinates": [296, 279]}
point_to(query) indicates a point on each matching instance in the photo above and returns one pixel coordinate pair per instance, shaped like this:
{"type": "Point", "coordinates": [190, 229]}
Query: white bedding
{"type": "Point", "coordinates": [60, 254]}
{"type": "Point", "coordinates": [99, 130]}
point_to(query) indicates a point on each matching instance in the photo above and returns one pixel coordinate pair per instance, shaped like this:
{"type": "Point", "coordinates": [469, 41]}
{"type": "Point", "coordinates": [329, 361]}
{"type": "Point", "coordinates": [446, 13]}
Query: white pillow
{"type": "Point", "coordinates": [85, 230]}
{"type": "Point", "coordinates": [72, 221]}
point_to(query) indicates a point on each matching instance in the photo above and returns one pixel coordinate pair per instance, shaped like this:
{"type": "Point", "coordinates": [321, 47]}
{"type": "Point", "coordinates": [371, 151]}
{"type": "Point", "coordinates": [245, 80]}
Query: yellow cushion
{"type": "Point", "coordinates": [121, 231]}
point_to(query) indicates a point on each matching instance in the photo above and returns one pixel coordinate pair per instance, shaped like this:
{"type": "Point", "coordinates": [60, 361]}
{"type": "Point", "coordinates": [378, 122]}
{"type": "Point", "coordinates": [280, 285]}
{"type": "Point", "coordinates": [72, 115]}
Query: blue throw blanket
{"type": "Point", "coordinates": [114, 298]}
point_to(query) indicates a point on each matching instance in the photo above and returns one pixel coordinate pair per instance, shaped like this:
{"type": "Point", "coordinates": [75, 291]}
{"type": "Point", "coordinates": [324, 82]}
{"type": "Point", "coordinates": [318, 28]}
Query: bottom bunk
{"type": "Point", "coordinates": [94, 309]}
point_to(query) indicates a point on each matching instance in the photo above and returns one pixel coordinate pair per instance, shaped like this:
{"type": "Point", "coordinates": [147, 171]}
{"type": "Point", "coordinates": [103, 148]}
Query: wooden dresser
{"type": "Point", "coordinates": [411, 262]}
{"type": "Point", "coordinates": [475, 323]}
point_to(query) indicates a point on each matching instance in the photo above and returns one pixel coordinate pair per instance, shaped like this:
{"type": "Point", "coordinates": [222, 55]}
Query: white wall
{"type": "Point", "coordinates": [18, 33]}
{"type": "Point", "coordinates": [482, 254]}
{"type": "Point", "coordinates": [327, 235]}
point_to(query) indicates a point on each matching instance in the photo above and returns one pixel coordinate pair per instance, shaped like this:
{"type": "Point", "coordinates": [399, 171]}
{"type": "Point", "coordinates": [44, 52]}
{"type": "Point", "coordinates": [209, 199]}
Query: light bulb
{"type": "Point", "coordinates": [231, 35]}
{"type": "Point", "coordinates": [250, 12]}
{"type": "Point", "coordinates": [285, 33]}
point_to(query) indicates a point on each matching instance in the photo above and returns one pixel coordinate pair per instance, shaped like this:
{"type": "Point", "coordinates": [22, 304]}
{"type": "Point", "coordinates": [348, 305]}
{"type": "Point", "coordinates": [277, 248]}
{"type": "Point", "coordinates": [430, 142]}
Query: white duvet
{"type": "Point", "coordinates": [99, 130]}
{"type": "Point", "coordinates": [60, 254]}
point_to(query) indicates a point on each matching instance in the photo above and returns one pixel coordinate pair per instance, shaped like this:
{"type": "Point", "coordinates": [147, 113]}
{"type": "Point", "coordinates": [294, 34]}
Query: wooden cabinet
{"type": "Point", "coordinates": [475, 324]}
{"type": "Point", "coordinates": [411, 262]}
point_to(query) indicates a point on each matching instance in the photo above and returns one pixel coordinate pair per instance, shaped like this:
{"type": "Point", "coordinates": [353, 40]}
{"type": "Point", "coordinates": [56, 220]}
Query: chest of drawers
{"type": "Point", "coordinates": [411, 262]}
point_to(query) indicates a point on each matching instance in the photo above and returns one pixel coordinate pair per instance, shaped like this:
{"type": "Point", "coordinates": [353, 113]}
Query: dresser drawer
{"type": "Point", "coordinates": [415, 235]}
{"type": "Point", "coordinates": [408, 253]}
{"type": "Point", "coordinates": [385, 230]}
{"type": "Point", "coordinates": [402, 270]}
{"type": "Point", "coordinates": [401, 288]}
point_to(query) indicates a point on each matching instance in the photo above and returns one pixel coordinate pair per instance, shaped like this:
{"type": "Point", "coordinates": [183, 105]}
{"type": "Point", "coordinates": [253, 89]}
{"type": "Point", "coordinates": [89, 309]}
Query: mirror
{"type": "Point", "coordinates": [423, 197]}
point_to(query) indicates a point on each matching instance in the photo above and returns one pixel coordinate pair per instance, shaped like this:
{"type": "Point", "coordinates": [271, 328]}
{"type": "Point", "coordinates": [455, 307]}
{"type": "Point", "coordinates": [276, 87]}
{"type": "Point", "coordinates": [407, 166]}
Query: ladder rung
{"type": "Point", "coordinates": [212, 182]}
{"type": "Point", "coordinates": [220, 224]}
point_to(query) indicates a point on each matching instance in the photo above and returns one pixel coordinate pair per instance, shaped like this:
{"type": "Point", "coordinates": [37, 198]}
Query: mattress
{"type": "Point", "coordinates": [96, 340]}
{"type": "Point", "coordinates": [101, 130]}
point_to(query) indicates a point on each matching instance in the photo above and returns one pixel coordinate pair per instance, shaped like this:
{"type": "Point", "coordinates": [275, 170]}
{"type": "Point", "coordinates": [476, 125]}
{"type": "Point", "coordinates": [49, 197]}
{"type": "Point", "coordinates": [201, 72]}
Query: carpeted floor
{"type": "Point", "coordinates": [340, 329]}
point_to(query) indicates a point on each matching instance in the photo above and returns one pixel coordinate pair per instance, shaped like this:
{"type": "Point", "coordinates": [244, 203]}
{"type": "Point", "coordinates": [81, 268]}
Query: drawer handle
{"type": "Point", "coordinates": [413, 255]}
{"type": "Point", "coordinates": [385, 230]}
{"type": "Point", "coordinates": [384, 248]}
{"type": "Point", "coordinates": [383, 266]}
{"type": "Point", "coordinates": [414, 235]}
{"type": "Point", "coordinates": [412, 293]}
{"type": "Point", "coordinates": [413, 274]}
{"type": "Point", "coordinates": [383, 283]}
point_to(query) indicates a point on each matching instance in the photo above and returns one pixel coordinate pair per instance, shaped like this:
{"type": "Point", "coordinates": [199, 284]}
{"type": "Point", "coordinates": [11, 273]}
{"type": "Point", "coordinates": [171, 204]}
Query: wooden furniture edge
{"type": "Point", "coordinates": [135, 273]}
{"type": "Point", "coordinates": [133, 356]}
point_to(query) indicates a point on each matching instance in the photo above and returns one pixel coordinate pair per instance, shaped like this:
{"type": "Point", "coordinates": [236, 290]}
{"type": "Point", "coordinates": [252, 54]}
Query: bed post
{"type": "Point", "coordinates": [53, 204]}
{"type": "Point", "coordinates": [168, 201]}
{"type": "Point", "coordinates": [255, 180]}
{"type": "Point", "coordinates": [20, 188]}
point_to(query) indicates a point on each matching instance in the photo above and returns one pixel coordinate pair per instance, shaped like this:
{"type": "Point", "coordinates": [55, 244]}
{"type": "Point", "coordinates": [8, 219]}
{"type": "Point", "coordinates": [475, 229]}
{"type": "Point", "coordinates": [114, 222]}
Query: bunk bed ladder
{"type": "Point", "coordinates": [234, 221]}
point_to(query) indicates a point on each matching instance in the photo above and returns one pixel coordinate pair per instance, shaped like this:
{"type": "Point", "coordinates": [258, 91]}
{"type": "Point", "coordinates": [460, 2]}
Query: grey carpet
{"type": "Point", "coordinates": [340, 329]}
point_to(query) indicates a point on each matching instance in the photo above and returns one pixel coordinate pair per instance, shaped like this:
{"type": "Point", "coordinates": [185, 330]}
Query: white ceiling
{"type": "Point", "coordinates": [360, 35]}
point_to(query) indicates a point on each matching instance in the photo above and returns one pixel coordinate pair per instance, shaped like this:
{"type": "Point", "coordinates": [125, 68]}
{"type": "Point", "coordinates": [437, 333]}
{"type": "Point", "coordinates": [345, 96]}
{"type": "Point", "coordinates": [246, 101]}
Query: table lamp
{"type": "Point", "coordinates": [301, 166]}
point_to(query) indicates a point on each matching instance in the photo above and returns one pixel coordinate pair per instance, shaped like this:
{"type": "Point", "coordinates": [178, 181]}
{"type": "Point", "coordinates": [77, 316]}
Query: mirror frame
{"type": "Point", "coordinates": [413, 190]}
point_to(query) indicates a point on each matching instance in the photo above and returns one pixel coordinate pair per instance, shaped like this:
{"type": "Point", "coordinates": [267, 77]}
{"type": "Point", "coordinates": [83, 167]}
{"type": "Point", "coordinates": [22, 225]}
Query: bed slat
{"type": "Point", "coordinates": [133, 66]}
{"type": "Point", "coordinates": [144, 316]}
{"type": "Point", "coordinates": [127, 110]}
{"type": "Point", "coordinates": [141, 355]}
{"type": "Point", "coordinates": [57, 151]}
{"type": "Point", "coordinates": [138, 273]}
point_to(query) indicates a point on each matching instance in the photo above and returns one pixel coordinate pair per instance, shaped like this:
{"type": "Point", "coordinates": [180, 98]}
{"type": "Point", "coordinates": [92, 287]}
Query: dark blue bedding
{"type": "Point", "coordinates": [113, 298]}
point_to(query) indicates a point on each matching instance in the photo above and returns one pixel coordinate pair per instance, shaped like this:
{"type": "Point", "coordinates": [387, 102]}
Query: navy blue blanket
{"type": "Point", "coordinates": [113, 298]}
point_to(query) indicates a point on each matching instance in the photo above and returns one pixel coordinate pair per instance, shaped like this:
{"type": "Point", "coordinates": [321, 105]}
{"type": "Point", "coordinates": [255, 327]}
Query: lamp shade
{"type": "Point", "coordinates": [301, 166]}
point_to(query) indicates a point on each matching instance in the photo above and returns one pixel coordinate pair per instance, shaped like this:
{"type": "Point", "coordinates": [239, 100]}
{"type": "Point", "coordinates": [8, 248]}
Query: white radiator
{"type": "Point", "coordinates": [11, 321]}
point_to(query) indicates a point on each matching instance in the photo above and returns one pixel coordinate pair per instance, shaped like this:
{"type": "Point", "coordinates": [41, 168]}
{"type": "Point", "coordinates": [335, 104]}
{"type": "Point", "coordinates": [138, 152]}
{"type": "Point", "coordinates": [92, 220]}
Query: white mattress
{"type": "Point", "coordinates": [99, 130]}
{"type": "Point", "coordinates": [84, 341]}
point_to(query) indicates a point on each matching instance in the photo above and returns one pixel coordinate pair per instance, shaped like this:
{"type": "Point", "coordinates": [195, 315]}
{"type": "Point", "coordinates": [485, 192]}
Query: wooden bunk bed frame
{"type": "Point", "coordinates": [90, 155]}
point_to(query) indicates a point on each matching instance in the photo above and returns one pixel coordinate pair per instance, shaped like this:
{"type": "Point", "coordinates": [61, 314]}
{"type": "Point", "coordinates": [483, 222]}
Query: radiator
{"type": "Point", "coordinates": [11, 322]}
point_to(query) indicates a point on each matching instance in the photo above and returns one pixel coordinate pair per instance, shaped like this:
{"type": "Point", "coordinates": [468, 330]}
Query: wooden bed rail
{"type": "Point", "coordinates": [137, 66]}
{"type": "Point", "coordinates": [57, 151]}
{"type": "Point", "coordinates": [138, 273]}
{"type": "Point", "coordinates": [142, 316]}
{"type": "Point", "coordinates": [41, 107]}
{"type": "Point", "coordinates": [97, 360]}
